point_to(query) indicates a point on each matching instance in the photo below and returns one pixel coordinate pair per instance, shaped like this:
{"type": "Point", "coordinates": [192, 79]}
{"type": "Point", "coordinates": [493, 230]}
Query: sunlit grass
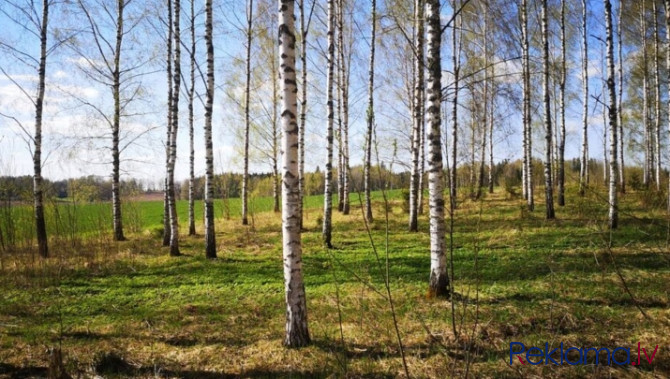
{"type": "Point", "coordinates": [517, 278]}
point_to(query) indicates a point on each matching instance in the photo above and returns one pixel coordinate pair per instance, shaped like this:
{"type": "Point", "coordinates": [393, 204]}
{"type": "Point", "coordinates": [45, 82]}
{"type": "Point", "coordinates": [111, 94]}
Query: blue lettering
{"type": "Point", "coordinates": [548, 354]}
{"type": "Point", "coordinates": [597, 351]}
{"type": "Point", "coordinates": [627, 361]}
{"type": "Point", "coordinates": [568, 352]}
{"type": "Point", "coordinates": [529, 355]}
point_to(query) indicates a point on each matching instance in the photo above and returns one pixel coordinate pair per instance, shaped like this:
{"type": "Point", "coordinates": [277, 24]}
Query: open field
{"type": "Point", "coordinates": [128, 309]}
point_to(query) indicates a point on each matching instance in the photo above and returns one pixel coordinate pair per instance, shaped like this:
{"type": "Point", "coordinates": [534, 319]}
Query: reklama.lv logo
{"type": "Point", "coordinates": [547, 356]}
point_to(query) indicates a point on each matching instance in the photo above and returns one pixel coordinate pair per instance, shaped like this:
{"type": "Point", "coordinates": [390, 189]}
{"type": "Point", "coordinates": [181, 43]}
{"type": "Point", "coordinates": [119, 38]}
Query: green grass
{"type": "Point", "coordinates": [517, 278]}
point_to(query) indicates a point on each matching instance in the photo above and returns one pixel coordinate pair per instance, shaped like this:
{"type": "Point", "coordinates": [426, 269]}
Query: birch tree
{"type": "Point", "coordinates": [456, 48]}
{"type": "Point", "coordinates": [622, 177]}
{"type": "Point", "coordinates": [584, 157]}
{"type": "Point", "coordinates": [657, 102]}
{"type": "Point", "coordinates": [247, 117]}
{"type": "Point", "coordinates": [109, 58]}
{"type": "Point", "coordinates": [562, 82]}
{"type": "Point", "coordinates": [438, 282]}
{"type": "Point", "coordinates": [168, 128]}
{"type": "Point", "coordinates": [611, 87]}
{"type": "Point", "coordinates": [418, 116]}
{"type": "Point", "coordinates": [191, 95]}
{"type": "Point", "coordinates": [41, 27]}
{"type": "Point", "coordinates": [527, 134]}
{"type": "Point", "coordinates": [210, 236]}
{"type": "Point", "coordinates": [549, 189]}
{"type": "Point", "coordinates": [297, 333]}
{"type": "Point", "coordinates": [370, 114]}
{"type": "Point", "coordinates": [328, 174]}
{"type": "Point", "coordinates": [172, 143]}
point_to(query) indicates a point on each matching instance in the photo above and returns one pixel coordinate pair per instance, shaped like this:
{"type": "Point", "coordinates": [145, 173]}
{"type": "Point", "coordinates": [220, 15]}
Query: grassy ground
{"type": "Point", "coordinates": [128, 309]}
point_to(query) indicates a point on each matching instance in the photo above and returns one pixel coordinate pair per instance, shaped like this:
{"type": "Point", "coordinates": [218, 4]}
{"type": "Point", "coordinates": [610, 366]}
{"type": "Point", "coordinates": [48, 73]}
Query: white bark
{"type": "Point", "coordinates": [210, 237]}
{"type": "Point", "coordinates": [584, 158]}
{"type": "Point", "coordinates": [172, 198]}
{"type": "Point", "coordinates": [549, 189]}
{"type": "Point", "coordinates": [417, 117]}
{"type": "Point", "coordinates": [370, 115]}
{"type": "Point", "coordinates": [613, 205]}
{"type": "Point", "coordinates": [247, 119]}
{"type": "Point", "coordinates": [297, 333]}
{"type": "Point", "coordinates": [657, 106]}
{"type": "Point", "coordinates": [328, 174]}
{"type": "Point", "coordinates": [527, 135]}
{"type": "Point", "coordinates": [438, 282]}
{"type": "Point", "coordinates": [191, 94]}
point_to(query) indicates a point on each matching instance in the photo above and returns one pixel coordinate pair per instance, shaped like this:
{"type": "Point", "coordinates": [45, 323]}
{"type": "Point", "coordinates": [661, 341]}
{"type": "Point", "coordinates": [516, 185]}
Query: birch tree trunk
{"type": "Point", "coordinates": [168, 137]}
{"type": "Point", "coordinates": [40, 224]}
{"type": "Point", "coordinates": [418, 117]}
{"type": "Point", "coordinates": [622, 176]}
{"type": "Point", "coordinates": [303, 108]}
{"type": "Point", "coordinates": [561, 141]}
{"type": "Point", "coordinates": [345, 59]}
{"type": "Point", "coordinates": [116, 162]}
{"type": "Point", "coordinates": [191, 94]}
{"type": "Point", "coordinates": [657, 105]}
{"type": "Point", "coordinates": [210, 236]}
{"type": "Point", "coordinates": [645, 104]}
{"type": "Point", "coordinates": [549, 189]}
{"type": "Point", "coordinates": [456, 46]}
{"type": "Point", "coordinates": [584, 158]}
{"type": "Point", "coordinates": [422, 149]}
{"type": "Point", "coordinates": [172, 199]}
{"type": "Point", "coordinates": [275, 143]}
{"type": "Point", "coordinates": [247, 119]}
{"type": "Point", "coordinates": [438, 281]}
{"type": "Point", "coordinates": [370, 114]}
{"type": "Point", "coordinates": [527, 134]}
{"type": "Point", "coordinates": [297, 333]}
{"type": "Point", "coordinates": [613, 205]}
{"type": "Point", "coordinates": [328, 174]}
{"type": "Point", "coordinates": [340, 93]}
{"type": "Point", "coordinates": [490, 128]}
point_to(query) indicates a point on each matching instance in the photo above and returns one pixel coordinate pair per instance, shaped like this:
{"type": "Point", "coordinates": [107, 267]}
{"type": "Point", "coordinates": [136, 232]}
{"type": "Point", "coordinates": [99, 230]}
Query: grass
{"type": "Point", "coordinates": [128, 309]}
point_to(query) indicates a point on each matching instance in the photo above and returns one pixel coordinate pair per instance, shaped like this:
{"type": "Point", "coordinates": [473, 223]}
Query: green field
{"type": "Point", "coordinates": [129, 310]}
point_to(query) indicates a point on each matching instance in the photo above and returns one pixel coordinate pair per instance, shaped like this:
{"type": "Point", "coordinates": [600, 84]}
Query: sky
{"type": "Point", "coordinates": [76, 135]}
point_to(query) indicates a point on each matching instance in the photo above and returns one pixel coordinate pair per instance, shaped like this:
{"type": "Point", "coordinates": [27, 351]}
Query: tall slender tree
{"type": "Point", "coordinates": [370, 114]}
{"type": "Point", "coordinates": [417, 116]}
{"type": "Point", "coordinates": [172, 196]}
{"type": "Point", "coordinates": [345, 64]}
{"type": "Point", "coordinates": [656, 148]}
{"type": "Point", "coordinates": [247, 116]}
{"type": "Point", "coordinates": [168, 129]}
{"type": "Point", "coordinates": [304, 30]}
{"type": "Point", "coordinates": [622, 177]}
{"type": "Point", "coordinates": [584, 157]}
{"type": "Point", "coordinates": [328, 175]}
{"type": "Point", "coordinates": [456, 58]}
{"type": "Point", "coordinates": [527, 134]}
{"type": "Point", "coordinates": [41, 23]}
{"type": "Point", "coordinates": [297, 333]}
{"type": "Point", "coordinates": [439, 281]}
{"type": "Point", "coordinates": [611, 87]}
{"type": "Point", "coordinates": [191, 95]}
{"type": "Point", "coordinates": [210, 236]}
{"type": "Point", "coordinates": [646, 176]}
{"type": "Point", "coordinates": [561, 141]}
{"type": "Point", "coordinates": [549, 189]}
